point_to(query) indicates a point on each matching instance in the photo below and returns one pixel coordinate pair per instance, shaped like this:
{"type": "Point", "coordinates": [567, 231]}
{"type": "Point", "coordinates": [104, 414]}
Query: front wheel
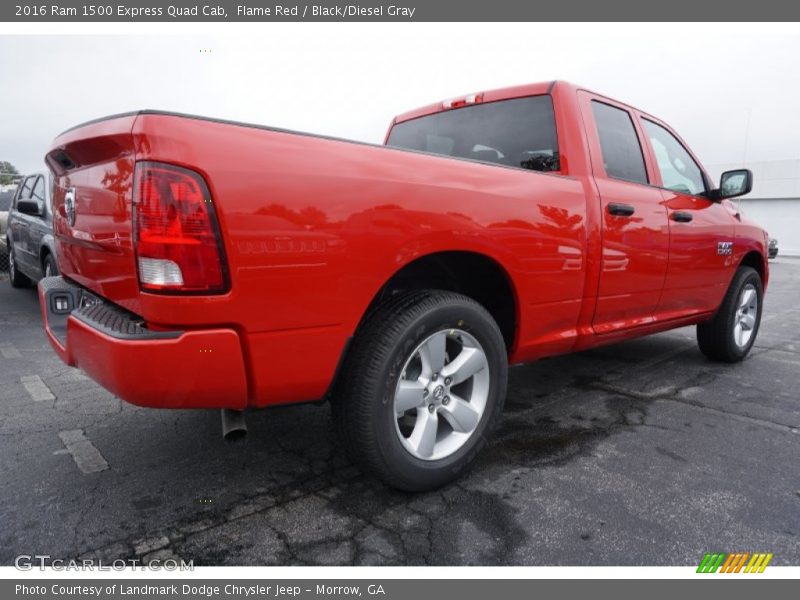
{"type": "Point", "coordinates": [423, 386]}
{"type": "Point", "coordinates": [731, 333]}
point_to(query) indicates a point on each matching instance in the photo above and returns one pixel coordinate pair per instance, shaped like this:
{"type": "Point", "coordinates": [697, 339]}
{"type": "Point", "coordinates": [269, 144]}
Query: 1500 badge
{"type": "Point", "coordinates": [724, 248]}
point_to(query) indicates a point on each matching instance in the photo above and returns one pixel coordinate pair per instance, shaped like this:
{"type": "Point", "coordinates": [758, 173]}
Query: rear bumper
{"type": "Point", "coordinates": [159, 369]}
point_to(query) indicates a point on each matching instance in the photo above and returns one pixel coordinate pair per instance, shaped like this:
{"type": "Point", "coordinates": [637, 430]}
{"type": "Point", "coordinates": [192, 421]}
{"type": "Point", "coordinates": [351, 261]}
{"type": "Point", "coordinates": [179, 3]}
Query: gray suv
{"type": "Point", "coordinates": [5, 205]}
{"type": "Point", "coordinates": [29, 234]}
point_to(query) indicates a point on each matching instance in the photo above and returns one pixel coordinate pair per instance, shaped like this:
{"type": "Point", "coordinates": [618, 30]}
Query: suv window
{"type": "Point", "coordinates": [25, 188]}
{"type": "Point", "coordinates": [622, 152]}
{"type": "Point", "coordinates": [38, 190]}
{"type": "Point", "coordinates": [678, 170]}
{"type": "Point", "coordinates": [517, 133]}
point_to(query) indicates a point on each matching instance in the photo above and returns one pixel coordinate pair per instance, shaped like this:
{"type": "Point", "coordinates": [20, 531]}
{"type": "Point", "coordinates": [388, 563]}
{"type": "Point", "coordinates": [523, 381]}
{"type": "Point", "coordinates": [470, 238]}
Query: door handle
{"type": "Point", "coordinates": [682, 217]}
{"type": "Point", "coordinates": [620, 210]}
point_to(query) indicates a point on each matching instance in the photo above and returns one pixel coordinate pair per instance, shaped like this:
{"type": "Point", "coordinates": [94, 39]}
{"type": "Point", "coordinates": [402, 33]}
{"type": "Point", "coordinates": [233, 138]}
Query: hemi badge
{"type": "Point", "coordinates": [724, 248]}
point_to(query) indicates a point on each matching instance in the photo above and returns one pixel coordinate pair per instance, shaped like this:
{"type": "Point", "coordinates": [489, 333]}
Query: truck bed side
{"type": "Point", "coordinates": [312, 229]}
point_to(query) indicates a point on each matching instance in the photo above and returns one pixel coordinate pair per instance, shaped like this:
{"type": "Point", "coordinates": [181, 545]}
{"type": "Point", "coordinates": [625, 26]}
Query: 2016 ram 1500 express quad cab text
{"type": "Point", "coordinates": [211, 264]}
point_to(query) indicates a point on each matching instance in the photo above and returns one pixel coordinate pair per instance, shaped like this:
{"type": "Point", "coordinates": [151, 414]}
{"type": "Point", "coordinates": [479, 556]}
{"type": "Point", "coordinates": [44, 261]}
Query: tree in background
{"type": "Point", "coordinates": [8, 173]}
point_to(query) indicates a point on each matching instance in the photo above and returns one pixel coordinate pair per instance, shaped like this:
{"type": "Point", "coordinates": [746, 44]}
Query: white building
{"type": "Point", "coordinates": [774, 202]}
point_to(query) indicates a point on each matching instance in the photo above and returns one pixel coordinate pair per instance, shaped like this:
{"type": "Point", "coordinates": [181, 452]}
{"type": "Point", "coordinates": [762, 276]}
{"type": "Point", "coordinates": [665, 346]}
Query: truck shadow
{"type": "Point", "coordinates": [556, 412]}
{"type": "Point", "coordinates": [287, 494]}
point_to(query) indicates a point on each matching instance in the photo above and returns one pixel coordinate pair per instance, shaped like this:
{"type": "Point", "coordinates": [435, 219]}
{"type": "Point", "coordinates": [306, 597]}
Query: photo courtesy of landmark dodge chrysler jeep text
{"type": "Point", "coordinates": [212, 264]}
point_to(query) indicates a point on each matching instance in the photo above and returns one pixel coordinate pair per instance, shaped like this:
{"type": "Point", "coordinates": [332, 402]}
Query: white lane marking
{"type": "Point", "coordinates": [150, 545]}
{"type": "Point", "coordinates": [37, 388]}
{"type": "Point", "coordinates": [8, 350]}
{"type": "Point", "coordinates": [86, 456]}
{"type": "Point", "coordinates": [75, 375]}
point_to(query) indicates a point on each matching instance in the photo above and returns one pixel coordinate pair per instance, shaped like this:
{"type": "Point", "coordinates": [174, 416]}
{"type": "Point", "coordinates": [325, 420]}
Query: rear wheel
{"type": "Point", "coordinates": [18, 280]}
{"type": "Point", "coordinates": [423, 386]}
{"type": "Point", "coordinates": [50, 267]}
{"type": "Point", "coordinates": [730, 335]}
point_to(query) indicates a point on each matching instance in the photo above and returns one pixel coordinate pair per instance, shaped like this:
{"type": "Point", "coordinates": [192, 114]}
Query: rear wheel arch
{"type": "Point", "coordinates": [453, 271]}
{"type": "Point", "coordinates": [473, 274]}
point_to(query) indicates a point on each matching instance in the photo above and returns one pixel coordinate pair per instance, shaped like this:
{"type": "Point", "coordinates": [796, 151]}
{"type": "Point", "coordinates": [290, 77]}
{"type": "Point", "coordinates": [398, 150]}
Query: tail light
{"type": "Point", "coordinates": [178, 243]}
{"type": "Point", "coordinates": [459, 102]}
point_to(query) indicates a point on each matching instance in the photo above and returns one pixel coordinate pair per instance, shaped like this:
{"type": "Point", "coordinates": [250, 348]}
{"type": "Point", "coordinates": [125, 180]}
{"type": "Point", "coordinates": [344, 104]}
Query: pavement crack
{"type": "Point", "coordinates": [673, 395]}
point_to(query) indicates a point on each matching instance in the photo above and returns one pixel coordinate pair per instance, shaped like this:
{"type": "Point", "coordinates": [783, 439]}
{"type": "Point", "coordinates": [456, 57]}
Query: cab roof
{"type": "Point", "coordinates": [518, 91]}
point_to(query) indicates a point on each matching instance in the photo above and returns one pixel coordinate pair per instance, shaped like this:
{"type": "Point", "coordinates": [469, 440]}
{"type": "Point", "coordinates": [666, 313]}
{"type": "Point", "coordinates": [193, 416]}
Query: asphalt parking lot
{"type": "Point", "coordinates": [640, 453]}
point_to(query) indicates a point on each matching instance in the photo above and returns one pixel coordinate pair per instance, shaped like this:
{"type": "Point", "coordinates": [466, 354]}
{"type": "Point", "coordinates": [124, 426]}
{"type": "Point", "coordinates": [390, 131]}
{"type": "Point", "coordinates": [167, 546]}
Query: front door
{"type": "Point", "coordinates": [701, 230]}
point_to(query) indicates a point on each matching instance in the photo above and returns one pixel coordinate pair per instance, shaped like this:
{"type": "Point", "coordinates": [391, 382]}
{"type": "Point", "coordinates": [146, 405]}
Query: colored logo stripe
{"type": "Point", "coordinates": [711, 562]}
{"type": "Point", "coordinates": [726, 568]}
{"type": "Point", "coordinates": [733, 563]}
{"type": "Point", "coordinates": [758, 563]}
{"type": "Point", "coordinates": [743, 558]}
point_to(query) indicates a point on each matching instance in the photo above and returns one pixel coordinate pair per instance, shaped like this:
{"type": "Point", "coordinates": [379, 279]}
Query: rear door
{"type": "Point", "coordinates": [635, 231]}
{"type": "Point", "coordinates": [38, 227]}
{"type": "Point", "coordinates": [701, 230]}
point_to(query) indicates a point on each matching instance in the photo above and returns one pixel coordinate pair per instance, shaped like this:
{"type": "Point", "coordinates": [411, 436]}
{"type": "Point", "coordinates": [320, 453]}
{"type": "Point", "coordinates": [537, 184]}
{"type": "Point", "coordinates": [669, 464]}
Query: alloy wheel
{"type": "Point", "coordinates": [441, 394]}
{"type": "Point", "coordinates": [744, 322]}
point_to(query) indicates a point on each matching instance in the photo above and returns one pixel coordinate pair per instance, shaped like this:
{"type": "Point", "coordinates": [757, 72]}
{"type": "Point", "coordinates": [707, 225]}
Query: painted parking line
{"type": "Point", "coordinates": [8, 350]}
{"type": "Point", "coordinates": [86, 456]}
{"type": "Point", "coordinates": [37, 388]}
{"type": "Point", "coordinates": [73, 374]}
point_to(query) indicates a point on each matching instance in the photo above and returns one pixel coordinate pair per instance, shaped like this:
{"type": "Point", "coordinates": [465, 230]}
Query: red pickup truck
{"type": "Point", "coordinates": [207, 263]}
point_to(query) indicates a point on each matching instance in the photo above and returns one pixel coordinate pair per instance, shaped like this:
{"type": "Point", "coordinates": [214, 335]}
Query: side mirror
{"type": "Point", "coordinates": [30, 207]}
{"type": "Point", "coordinates": [735, 183]}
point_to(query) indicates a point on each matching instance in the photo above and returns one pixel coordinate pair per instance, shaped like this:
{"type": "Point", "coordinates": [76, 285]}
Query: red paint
{"type": "Point", "coordinates": [312, 228]}
{"type": "Point", "coordinates": [194, 370]}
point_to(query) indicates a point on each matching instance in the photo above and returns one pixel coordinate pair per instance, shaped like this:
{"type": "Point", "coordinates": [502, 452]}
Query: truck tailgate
{"type": "Point", "coordinates": [92, 168]}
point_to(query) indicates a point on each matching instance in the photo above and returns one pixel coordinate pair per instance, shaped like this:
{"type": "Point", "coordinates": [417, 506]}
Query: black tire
{"type": "Point", "coordinates": [49, 266]}
{"type": "Point", "coordinates": [716, 337]}
{"type": "Point", "coordinates": [17, 279]}
{"type": "Point", "coordinates": [363, 402]}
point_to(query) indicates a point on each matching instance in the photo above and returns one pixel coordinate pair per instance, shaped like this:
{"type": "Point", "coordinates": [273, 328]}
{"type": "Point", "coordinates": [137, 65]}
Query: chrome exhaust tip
{"type": "Point", "coordinates": [234, 426]}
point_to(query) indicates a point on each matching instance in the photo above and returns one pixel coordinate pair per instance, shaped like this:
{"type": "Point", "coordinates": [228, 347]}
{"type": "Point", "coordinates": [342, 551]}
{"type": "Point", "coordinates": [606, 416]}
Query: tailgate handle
{"type": "Point", "coordinates": [620, 210]}
{"type": "Point", "coordinates": [682, 217]}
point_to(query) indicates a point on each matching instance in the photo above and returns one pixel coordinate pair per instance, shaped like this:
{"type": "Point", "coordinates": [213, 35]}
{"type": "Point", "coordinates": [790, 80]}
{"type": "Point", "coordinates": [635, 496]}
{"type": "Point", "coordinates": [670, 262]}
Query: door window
{"type": "Point", "coordinates": [38, 190]}
{"type": "Point", "coordinates": [25, 189]}
{"type": "Point", "coordinates": [678, 170]}
{"type": "Point", "coordinates": [622, 153]}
